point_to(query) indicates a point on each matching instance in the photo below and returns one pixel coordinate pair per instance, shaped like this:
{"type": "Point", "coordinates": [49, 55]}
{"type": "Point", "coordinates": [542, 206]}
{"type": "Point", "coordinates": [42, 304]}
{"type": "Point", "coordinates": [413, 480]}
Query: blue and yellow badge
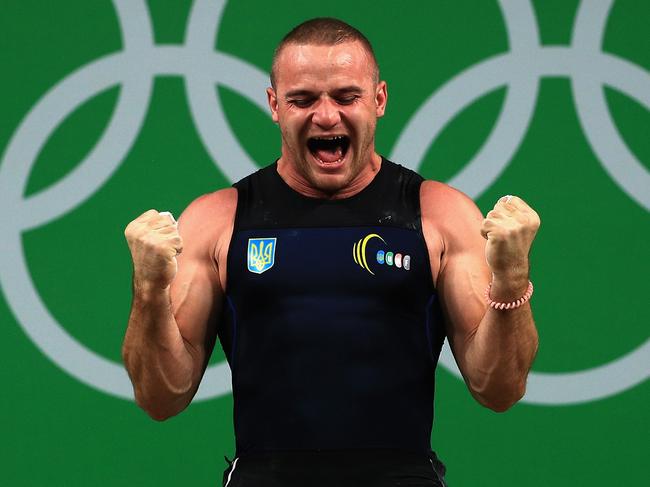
{"type": "Point", "coordinates": [261, 254]}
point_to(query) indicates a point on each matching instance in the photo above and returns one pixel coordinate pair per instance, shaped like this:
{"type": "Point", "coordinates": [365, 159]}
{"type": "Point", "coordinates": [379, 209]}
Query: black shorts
{"type": "Point", "coordinates": [338, 468]}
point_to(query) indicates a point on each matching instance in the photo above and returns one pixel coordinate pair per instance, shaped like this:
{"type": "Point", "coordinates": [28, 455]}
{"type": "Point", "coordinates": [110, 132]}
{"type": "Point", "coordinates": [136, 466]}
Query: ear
{"type": "Point", "coordinates": [272, 98]}
{"type": "Point", "coordinates": [381, 98]}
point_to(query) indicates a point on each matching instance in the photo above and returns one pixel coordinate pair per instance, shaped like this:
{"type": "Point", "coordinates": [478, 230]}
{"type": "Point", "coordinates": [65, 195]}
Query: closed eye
{"type": "Point", "coordinates": [347, 100]}
{"type": "Point", "coordinates": [300, 102]}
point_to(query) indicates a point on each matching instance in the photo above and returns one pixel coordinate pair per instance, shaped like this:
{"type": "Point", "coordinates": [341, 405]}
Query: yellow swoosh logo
{"type": "Point", "coordinates": [359, 251]}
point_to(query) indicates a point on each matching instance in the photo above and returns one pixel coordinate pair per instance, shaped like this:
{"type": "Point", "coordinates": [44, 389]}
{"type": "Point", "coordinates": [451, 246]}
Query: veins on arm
{"type": "Point", "coordinates": [494, 349]}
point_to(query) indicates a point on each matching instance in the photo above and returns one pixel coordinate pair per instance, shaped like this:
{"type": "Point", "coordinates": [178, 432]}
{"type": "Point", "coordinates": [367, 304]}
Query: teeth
{"type": "Point", "coordinates": [323, 162]}
{"type": "Point", "coordinates": [335, 137]}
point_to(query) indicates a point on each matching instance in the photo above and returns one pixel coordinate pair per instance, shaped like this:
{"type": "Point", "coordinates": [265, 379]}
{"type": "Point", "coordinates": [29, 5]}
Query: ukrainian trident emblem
{"type": "Point", "coordinates": [261, 254]}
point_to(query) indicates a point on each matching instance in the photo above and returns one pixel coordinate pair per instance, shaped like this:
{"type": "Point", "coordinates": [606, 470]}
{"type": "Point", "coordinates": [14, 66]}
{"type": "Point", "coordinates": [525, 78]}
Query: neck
{"type": "Point", "coordinates": [301, 184]}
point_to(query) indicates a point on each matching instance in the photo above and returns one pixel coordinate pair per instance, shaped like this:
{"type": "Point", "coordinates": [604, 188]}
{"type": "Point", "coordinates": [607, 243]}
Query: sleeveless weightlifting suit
{"type": "Point", "coordinates": [333, 327]}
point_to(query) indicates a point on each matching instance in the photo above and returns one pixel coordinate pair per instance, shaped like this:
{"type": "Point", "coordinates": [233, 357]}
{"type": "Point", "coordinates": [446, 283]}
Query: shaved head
{"type": "Point", "coordinates": [324, 31]}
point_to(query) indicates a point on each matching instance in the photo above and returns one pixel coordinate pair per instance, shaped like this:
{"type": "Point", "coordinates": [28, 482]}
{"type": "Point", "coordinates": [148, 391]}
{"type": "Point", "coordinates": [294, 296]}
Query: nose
{"type": "Point", "coordinates": [326, 114]}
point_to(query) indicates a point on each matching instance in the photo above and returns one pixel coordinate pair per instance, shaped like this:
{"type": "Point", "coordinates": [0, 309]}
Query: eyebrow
{"type": "Point", "coordinates": [349, 89]}
{"type": "Point", "coordinates": [293, 93]}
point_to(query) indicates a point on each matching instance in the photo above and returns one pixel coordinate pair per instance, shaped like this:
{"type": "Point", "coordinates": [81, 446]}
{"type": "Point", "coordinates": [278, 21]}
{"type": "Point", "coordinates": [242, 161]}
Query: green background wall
{"type": "Point", "coordinates": [103, 118]}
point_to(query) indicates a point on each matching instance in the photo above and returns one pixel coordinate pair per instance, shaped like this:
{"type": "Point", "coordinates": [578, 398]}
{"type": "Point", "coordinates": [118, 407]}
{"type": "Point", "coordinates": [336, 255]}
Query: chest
{"type": "Point", "coordinates": [331, 261]}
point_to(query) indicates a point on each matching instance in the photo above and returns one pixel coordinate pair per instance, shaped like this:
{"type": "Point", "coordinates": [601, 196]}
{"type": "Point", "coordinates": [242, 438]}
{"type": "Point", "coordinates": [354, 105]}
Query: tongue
{"type": "Point", "coordinates": [329, 155]}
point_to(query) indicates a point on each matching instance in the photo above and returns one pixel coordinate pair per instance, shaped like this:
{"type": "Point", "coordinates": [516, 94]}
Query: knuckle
{"type": "Point", "coordinates": [531, 222]}
{"type": "Point", "coordinates": [522, 220]}
{"type": "Point", "coordinates": [514, 232]}
{"type": "Point", "coordinates": [536, 219]}
{"type": "Point", "coordinates": [131, 226]}
{"type": "Point", "coordinates": [146, 216]}
{"type": "Point", "coordinates": [152, 242]}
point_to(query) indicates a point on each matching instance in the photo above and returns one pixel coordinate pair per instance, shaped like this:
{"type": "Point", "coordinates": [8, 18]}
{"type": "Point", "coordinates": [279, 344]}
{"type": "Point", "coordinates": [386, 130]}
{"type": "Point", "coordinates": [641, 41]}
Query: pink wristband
{"type": "Point", "coordinates": [512, 305]}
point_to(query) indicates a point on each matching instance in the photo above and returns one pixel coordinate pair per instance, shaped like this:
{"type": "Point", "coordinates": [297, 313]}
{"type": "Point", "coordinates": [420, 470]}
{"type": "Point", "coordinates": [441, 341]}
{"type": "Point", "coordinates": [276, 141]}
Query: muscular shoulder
{"type": "Point", "coordinates": [211, 207]}
{"type": "Point", "coordinates": [449, 213]}
{"type": "Point", "coordinates": [209, 219]}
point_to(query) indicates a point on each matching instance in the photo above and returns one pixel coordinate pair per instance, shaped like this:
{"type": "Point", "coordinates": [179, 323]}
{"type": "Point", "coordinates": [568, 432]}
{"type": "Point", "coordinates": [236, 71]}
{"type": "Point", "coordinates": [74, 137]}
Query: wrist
{"type": "Point", "coordinates": [146, 290]}
{"type": "Point", "coordinates": [514, 304]}
{"type": "Point", "coordinates": [508, 287]}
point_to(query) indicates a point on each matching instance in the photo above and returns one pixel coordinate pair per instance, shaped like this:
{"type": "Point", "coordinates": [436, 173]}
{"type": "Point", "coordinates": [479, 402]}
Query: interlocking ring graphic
{"type": "Point", "coordinates": [141, 60]}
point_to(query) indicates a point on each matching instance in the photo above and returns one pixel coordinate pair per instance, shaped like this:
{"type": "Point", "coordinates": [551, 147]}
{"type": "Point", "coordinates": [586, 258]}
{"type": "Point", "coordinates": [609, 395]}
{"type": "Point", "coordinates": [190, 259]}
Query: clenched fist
{"type": "Point", "coordinates": [509, 229]}
{"type": "Point", "coordinates": [154, 243]}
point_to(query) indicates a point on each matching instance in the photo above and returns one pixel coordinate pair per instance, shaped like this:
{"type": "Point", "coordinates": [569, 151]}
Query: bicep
{"type": "Point", "coordinates": [462, 285]}
{"type": "Point", "coordinates": [196, 292]}
{"type": "Point", "coordinates": [463, 274]}
{"type": "Point", "coordinates": [196, 303]}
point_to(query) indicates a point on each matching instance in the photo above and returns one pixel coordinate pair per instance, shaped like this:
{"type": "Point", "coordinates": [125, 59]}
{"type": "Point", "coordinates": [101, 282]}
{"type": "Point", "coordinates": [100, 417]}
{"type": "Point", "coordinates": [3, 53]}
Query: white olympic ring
{"type": "Point", "coordinates": [135, 67]}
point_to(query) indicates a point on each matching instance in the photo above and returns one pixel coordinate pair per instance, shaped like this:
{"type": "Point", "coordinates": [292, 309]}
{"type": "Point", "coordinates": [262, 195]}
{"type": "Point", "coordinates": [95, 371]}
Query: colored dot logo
{"type": "Point", "coordinates": [398, 260]}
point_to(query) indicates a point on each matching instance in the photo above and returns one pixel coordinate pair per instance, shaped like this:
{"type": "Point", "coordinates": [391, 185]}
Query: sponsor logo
{"type": "Point", "coordinates": [391, 259]}
{"type": "Point", "coordinates": [382, 257]}
{"type": "Point", "coordinates": [359, 251]}
{"type": "Point", "coordinates": [261, 254]}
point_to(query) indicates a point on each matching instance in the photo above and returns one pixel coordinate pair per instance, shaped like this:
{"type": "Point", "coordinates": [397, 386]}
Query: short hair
{"type": "Point", "coordinates": [324, 31]}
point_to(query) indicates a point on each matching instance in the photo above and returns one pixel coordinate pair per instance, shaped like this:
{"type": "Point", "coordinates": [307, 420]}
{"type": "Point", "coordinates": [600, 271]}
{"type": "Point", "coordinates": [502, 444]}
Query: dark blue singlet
{"type": "Point", "coordinates": [333, 326]}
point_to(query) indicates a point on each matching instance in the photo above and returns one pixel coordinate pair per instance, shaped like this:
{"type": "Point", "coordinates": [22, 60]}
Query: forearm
{"type": "Point", "coordinates": [158, 360]}
{"type": "Point", "coordinates": [501, 351]}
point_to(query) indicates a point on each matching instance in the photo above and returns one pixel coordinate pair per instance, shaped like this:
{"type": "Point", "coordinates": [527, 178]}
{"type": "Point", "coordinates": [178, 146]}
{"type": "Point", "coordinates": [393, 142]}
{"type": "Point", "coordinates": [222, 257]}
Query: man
{"type": "Point", "coordinates": [331, 279]}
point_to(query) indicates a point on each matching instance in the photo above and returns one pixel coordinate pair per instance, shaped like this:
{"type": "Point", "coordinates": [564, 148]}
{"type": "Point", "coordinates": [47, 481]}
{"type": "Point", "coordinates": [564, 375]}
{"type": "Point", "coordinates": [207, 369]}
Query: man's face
{"type": "Point", "coordinates": [327, 102]}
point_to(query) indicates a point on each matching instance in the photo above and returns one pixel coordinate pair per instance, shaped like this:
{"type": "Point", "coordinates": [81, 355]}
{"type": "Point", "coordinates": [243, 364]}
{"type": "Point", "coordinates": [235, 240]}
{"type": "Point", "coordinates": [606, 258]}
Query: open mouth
{"type": "Point", "coordinates": [329, 150]}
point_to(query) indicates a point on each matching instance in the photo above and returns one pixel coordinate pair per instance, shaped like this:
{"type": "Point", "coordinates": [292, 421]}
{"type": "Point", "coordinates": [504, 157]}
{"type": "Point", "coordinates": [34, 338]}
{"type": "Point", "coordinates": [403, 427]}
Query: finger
{"type": "Point", "coordinates": [487, 227]}
{"type": "Point", "coordinates": [139, 222]}
{"type": "Point", "coordinates": [514, 203]}
{"type": "Point", "coordinates": [495, 215]}
{"type": "Point", "coordinates": [146, 216]}
{"type": "Point", "coordinates": [176, 243]}
{"type": "Point", "coordinates": [168, 214]}
{"type": "Point", "coordinates": [166, 228]}
{"type": "Point", "coordinates": [511, 202]}
{"type": "Point", "coordinates": [506, 199]}
{"type": "Point", "coordinates": [164, 219]}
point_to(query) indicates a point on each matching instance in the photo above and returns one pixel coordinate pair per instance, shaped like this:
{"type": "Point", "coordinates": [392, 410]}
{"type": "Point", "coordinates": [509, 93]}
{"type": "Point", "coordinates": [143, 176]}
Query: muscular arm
{"type": "Point", "coordinates": [494, 349]}
{"type": "Point", "coordinates": [172, 325]}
